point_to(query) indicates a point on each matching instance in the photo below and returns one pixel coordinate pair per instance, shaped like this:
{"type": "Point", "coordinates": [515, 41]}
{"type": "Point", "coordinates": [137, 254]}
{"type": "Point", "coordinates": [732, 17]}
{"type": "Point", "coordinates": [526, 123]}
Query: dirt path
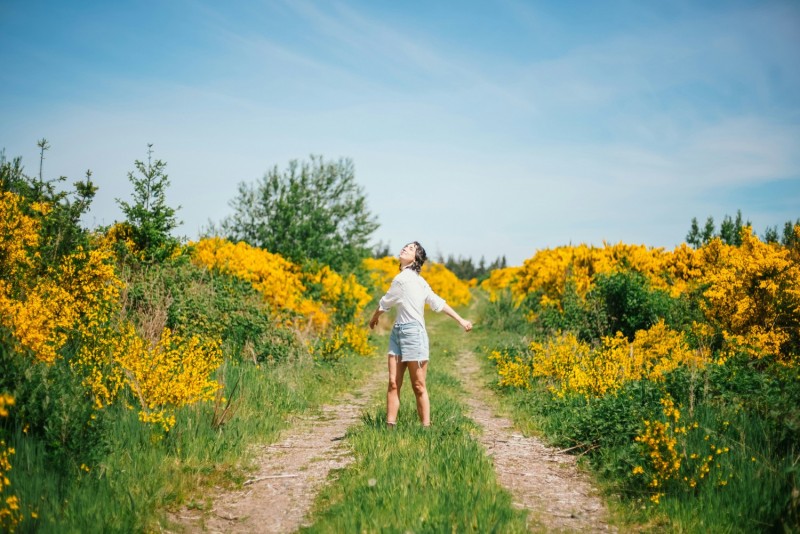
{"type": "Point", "coordinates": [542, 480]}
{"type": "Point", "coordinates": [279, 495]}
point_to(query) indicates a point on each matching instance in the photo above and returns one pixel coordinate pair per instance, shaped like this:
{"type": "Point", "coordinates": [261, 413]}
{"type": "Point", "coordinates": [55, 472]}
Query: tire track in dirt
{"type": "Point", "coordinates": [290, 473]}
{"type": "Point", "coordinates": [542, 480]}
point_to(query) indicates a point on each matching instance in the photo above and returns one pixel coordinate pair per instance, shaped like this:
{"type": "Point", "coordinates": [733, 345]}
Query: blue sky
{"type": "Point", "coordinates": [476, 128]}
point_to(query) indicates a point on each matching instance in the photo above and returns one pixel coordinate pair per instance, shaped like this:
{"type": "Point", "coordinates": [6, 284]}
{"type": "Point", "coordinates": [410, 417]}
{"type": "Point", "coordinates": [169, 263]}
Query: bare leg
{"type": "Point", "coordinates": [417, 372]}
{"type": "Point", "coordinates": [396, 371]}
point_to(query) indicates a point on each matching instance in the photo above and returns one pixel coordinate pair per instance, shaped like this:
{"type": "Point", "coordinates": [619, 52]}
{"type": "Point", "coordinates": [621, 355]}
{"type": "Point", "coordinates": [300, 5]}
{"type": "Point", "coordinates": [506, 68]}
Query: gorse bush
{"type": "Point", "coordinates": [569, 366]}
{"type": "Point", "coordinates": [671, 370]}
{"type": "Point", "coordinates": [73, 312]}
{"type": "Point", "coordinates": [59, 232]}
{"type": "Point", "coordinates": [317, 301]}
{"type": "Point", "coordinates": [446, 284]}
{"type": "Point", "coordinates": [382, 271]}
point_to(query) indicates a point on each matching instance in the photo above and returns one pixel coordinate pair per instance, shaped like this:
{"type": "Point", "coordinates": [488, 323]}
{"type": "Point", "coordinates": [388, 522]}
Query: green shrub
{"type": "Point", "coordinates": [51, 406]}
{"type": "Point", "coordinates": [502, 315]}
{"type": "Point", "coordinates": [195, 300]}
{"type": "Point", "coordinates": [623, 301]}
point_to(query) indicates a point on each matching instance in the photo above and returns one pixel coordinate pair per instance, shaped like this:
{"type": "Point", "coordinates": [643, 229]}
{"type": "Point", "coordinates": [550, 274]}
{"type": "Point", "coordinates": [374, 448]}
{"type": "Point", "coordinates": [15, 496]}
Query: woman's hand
{"type": "Point", "coordinates": [374, 321]}
{"type": "Point", "coordinates": [466, 325]}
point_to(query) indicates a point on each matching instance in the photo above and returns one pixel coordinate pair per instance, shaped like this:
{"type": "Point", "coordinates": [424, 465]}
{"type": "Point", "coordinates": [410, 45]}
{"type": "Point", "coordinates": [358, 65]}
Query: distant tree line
{"type": "Point", "coordinates": [730, 232]}
{"type": "Point", "coordinates": [465, 268]}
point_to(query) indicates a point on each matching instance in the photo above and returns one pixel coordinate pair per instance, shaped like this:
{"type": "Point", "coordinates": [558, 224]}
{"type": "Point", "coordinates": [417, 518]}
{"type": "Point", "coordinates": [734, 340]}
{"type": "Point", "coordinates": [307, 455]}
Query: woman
{"type": "Point", "coordinates": [408, 342]}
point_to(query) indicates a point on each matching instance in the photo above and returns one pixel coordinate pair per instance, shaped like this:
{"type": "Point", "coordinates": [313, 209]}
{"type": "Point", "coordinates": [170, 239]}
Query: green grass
{"type": "Point", "coordinates": [144, 473]}
{"type": "Point", "coordinates": [419, 480]}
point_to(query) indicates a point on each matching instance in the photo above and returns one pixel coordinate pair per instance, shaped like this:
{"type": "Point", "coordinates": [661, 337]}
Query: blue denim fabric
{"type": "Point", "coordinates": [409, 341]}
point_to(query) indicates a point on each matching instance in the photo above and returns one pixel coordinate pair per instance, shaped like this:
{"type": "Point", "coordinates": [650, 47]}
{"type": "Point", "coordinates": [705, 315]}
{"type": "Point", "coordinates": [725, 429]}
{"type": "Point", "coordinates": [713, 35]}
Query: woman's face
{"type": "Point", "coordinates": [408, 254]}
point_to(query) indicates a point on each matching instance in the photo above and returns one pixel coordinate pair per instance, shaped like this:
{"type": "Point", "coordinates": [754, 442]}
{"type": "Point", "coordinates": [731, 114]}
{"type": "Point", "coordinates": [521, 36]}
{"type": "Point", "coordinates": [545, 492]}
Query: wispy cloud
{"type": "Point", "coordinates": [562, 128]}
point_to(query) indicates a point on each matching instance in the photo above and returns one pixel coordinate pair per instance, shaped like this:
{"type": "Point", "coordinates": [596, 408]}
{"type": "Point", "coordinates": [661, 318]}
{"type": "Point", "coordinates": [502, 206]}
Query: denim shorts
{"type": "Point", "coordinates": [409, 341]}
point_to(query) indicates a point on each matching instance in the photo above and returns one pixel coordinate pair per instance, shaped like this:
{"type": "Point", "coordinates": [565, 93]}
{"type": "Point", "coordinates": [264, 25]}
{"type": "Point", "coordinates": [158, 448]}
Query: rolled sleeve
{"type": "Point", "coordinates": [435, 302]}
{"type": "Point", "coordinates": [392, 297]}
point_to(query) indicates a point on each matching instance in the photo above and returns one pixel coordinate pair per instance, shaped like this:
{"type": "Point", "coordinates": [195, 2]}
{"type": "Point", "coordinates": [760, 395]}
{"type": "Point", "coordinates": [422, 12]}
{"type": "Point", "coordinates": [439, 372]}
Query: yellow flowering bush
{"type": "Point", "coordinates": [350, 337]}
{"type": "Point", "coordinates": [120, 236]}
{"type": "Point", "coordinates": [382, 271]}
{"type": "Point", "coordinates": [326, 300]}
{"type": "Point", "coordinates": [40, 311]}
{"type": "Point", "coordinates": [95, 362]}
{"type": "Point", "coordinates": [446, 284]}
{"type": "Point", "coordinates": [39, 319]}
{"type": "Point", "coordinates": [682, 268]}
{"type": "Point", "coordinates": [499, 280]}
{"type": "Point", "coordinates": [18, 234]}
{"type": "Point", "coordinates": [549, 270]}
{"type": "Point", "coordinates": [619, 326]}
{"type": "Point", "coordinates": [669, 458]}
{"type": "Point", "coordinates": [176, 372]}
{"type": "Point", "coordinates": [277, 279]}
{"type": "Point", "coordinates": [753, 293]}
{"type": "Point", "coordinates": [338, 293]}
{"type": "Point", "coordinates": [572, 366]}
{"type": "Point", "coordinates": [6, 400]}
{"type": "Point", "coordinates": [513, 369]}
{"type": "Point", "coordinates": [80, 297]}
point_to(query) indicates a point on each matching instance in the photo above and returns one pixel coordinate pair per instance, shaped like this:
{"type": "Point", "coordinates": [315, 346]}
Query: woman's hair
{"type": "Point", "coordinates": [419, 258]}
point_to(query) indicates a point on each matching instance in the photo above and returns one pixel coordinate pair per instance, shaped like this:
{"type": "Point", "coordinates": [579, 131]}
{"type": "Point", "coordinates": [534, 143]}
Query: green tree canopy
{"type": "Point", "coordinates": [150, 218]}
{"type": "Point", "coordinates": [314, 210]}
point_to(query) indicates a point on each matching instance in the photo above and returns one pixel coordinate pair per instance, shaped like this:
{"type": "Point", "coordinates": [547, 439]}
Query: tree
{"type": "Point", "coordinates": [693, 237]}
{"type": "Point", "coordinates": [151, 221]}
{"type": "Point", "coordinates": [789, 237]}
{"type": "Point", "coordinates": [730, 231]}
{"type": "Point", "coordinates": [314, 210]}
{"type": "Point", "coordinates": [708, 230]}
{"type": "Point", "coordinates": [771, 234]}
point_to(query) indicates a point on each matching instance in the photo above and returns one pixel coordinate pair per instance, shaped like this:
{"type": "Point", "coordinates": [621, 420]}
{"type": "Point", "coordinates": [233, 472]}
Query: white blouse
{"type": "Point", "coordinates": [410, 292]}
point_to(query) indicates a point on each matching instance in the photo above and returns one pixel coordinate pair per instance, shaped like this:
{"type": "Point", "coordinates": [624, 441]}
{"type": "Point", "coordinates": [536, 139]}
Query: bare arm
{"type": "Point", "coordinates": [466, 325]}
{"type": "Point", "coordinates": [375, 316]}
